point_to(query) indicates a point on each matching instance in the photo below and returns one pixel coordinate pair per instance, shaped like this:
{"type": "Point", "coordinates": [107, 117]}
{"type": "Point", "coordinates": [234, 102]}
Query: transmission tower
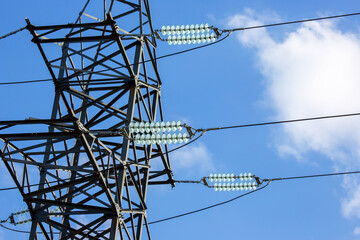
{"type": "Point", "coordinates": [80, 172]}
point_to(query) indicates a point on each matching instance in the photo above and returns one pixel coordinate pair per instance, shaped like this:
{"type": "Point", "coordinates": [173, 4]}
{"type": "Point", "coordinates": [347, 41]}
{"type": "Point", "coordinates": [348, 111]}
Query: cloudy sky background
{"type": "Point", "coordinates": [280, 73]}
{"type": "Point", "coordinates": [312, 71]}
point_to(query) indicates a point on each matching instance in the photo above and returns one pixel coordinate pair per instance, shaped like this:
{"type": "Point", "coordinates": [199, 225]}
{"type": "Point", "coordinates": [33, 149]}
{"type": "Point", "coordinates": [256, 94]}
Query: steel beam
{"type": "Point", "coordinates": [82, 168]}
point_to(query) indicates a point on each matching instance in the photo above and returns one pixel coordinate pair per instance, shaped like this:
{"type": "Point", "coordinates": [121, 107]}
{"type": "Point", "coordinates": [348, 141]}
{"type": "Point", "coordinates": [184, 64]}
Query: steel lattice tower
{"type": "Point", "coordinates": [80, 173]}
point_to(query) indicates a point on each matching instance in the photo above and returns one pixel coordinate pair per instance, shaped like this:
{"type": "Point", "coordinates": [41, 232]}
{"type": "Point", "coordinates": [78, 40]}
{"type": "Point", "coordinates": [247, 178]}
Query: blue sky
{"type": "Point", "coordinates": [293, 71]}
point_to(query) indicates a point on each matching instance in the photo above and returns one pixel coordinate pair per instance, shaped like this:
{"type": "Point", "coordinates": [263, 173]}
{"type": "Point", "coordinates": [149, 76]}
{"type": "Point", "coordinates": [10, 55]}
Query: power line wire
{"type": "Point", "coordinates": [55, 181]}
{"type": "Point", "coordinates": [12, 33]}
{"type": "Point", "coordinates": [31, 185]}
{"type": "Point", "coordinates": [30, 81]}
{"type": "Point", "coordinates": [192, 49]}
{"type": "Point", "coordinates": [157, 155]}
{"type": "Point", "coordinates": [280, 122]}
{"type": "Point", "coordinates": [177, 148]}
{"type": "Point", "coordinates": [230, 200]}
{"type": "Point", "coordinates": [313, 176]}
{"type": "Point", "coordinates": [209, 207]}
{"type": "Point", "coordinates": [267, 184]}
{"type": "Point", "coordinates": [146, 61]}
{"type": "Point", "coordinates": [229, 31]}
{"type": "Point", "coordinates": [14, 230]}
{"type": "Point", "coordinates": [236, 29]}
{"type": "Point", "coordinates": [280, 178]}
{"type": "Point", "coordinates": [291, 22]}
{"type": "Point", "coordinates": [167, 55]}
{"type": "Point", "coordinates": [203, 131]}
{"type": "Point", "coordinates": [220, 128]}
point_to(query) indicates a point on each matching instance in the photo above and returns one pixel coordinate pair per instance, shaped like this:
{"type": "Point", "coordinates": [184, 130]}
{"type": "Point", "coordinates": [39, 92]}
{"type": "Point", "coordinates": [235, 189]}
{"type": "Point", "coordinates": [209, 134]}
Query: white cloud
{"type": "Point", "coordinates": [351, 205]}
{"type": "Point", "coordinates": [195, 159]}
{"type": "Point", "coordinates": [253, 38]}
{"type": "Point", "coordinates": [312, 71]}
{"type": "Point", "coordinates": [5, 178]}
{"type": "Point", "coordinates": [82, 219]}
{"type": "Point", "coordinates": [357, 231]}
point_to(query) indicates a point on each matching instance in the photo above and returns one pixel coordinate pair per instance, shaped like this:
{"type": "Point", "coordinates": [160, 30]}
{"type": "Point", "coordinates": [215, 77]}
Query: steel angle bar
{"type": "Point", "coordinates": [95, 18]}
{"type": "Point", "coordinates": [94, 196]}
{"type": "Point", "coordinates": [102, 234]}
{"type": "Point", "coordinates": [67, 151]}
{"type": "Point", "coordinates": [86, 71]}
{"type": "Point", "coordinates": [43, 231]}
{"type": "Point", "coordinates": [147, 227]}
{"type": "Point", "coordinates": [122, 49]}
{"type": "Point", "coordinates": [14, 177]}
{"type": "Point", "coordinates": [137, 188]}
{"type": "Point", "coordinates": [167, 182]}
{"type": "Point", "coordinates": [98, 62]}
{"type": "Point", "coordinates": [141, 97]}
{"type": "Point", "coordinates": [101, 63]}
{"type": "Point", "coordinates": [106, 102]}
{"type": "Point", "coordinates": [94, 29]}
{"type": "Point", "coordinates": [153, 62]}
{"type": "Point", "coordinates": [147, 95]}
{"type": "Point", "coordinates": [97, 103]}
{"type": "Point", "coordinates": [116, 81]}
{"type": "Point", "coordinates": [111, 103]}
{"type": "Point", "coordinates": [37, 135]}
{"type": "Point", "coordinates": [88, 197]}
{"type": "Point", "coordinates": [73, 52]}
{"type": "Point", "coordinates": [131, 4]}
{"type": "Point", "coordinates": [67, 26]}
{"type": "Point", "coordinates": [95, 209]}
{"type": "Point", "coordinates": [59, 186]}
{"type": "Point", "coordinates": [48, 166]}
{"type": "Point", "coordinates": [125, 14]}
{"type": "Point", "coordinates": [100, 85]}
{"type": "Point", "coordinates": [25, 149]}
{"type": "Point", "coordinates": [159, 174]}
{"type": "Point", "coordinates": [96, 168]}
{"type": "Point", "coordinates": [92, 101]}
{"type": "Point", "coordinates": [64, 229]}
{"type": "Point", "coordinates": [88, 228]}
{"type": "Point", "coordinates": [136, 164]}
{"type": "Point", "coordinates": [36, 121]}
{"type": "Point", "coordinates": [130, 207]}
{"type": "Point", "coordinates": [70, 213]}
{"type": "Point", "coordinates": [80, 189]}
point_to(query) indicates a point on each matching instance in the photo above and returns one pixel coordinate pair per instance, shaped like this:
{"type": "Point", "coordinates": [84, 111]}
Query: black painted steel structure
{"type": "Point", "coordinates": [92, 178]}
